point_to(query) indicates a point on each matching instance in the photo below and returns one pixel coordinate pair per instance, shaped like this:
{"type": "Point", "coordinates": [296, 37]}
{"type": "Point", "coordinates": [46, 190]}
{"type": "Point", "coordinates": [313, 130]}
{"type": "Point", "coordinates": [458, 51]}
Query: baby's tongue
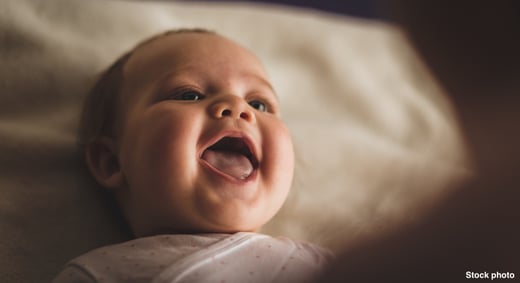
{"type": "Point", "coordinates": [231, 163]}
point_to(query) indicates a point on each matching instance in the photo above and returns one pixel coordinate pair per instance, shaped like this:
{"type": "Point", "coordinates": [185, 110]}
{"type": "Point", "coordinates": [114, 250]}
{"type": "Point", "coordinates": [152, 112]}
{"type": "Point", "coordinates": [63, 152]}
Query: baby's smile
{"type": "Point", "coordinates": [233, 156]}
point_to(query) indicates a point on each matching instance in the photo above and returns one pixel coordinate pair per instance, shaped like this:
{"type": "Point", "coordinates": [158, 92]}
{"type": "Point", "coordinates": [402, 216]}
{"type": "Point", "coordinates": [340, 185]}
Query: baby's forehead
{"type": "Point", "coordinates": [177, 50]}
{"type": "Point", "coordinates": [173, 44]}
{"type": "Point", "coordinates": [185, 43]}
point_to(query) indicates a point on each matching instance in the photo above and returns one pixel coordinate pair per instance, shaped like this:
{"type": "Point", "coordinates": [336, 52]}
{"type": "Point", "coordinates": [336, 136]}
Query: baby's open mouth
{"type": "Point", "coordinates": [232, 156]}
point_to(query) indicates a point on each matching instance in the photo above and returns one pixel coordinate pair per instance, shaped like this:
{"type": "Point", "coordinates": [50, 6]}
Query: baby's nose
{"type": "Point", "coordinates": [232, 106]}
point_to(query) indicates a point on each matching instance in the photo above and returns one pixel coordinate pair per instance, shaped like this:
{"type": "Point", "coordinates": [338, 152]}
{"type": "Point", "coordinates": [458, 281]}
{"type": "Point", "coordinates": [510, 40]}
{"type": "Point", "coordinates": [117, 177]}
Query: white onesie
{"type": "Point", "coordinates": [220, 258]}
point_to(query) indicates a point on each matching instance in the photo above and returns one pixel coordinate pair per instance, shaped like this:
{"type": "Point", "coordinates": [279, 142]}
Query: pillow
{"type": "Point", "coordinates": [376, 139]}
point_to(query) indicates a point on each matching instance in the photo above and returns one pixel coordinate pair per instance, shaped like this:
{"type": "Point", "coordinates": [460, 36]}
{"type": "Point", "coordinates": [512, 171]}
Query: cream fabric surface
{"type": "Point", "coordinates": [376, 139]}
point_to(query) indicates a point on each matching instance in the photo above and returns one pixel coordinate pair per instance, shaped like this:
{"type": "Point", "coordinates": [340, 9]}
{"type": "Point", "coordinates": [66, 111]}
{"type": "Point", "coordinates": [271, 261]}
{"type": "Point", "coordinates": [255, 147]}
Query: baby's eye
{"type": "Point", "coordinates": [187, 95]}
{"type": "Point", "coordinates": [258, 105]}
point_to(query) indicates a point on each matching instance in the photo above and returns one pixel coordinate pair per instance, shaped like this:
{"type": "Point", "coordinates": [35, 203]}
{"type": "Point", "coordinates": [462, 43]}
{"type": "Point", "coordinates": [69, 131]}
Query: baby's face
{"type": "Point", "coordinates": [202, 147]}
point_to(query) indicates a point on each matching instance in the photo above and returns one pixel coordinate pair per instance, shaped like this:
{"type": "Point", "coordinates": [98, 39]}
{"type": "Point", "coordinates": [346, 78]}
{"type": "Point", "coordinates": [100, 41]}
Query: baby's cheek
{"type": "Point", "coordinates": [277, 175]}
{"type": "Point", "coordinates": [144, 147]}
{"type": "Point", "coordinates": [284, 144]}
{"type": "Point", "coordinates": [278, 152]}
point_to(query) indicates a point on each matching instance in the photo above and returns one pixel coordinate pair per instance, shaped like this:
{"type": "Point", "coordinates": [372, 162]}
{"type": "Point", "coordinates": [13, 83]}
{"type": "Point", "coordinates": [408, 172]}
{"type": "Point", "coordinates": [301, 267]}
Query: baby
{"type": "Point", "coordinates": [185, 131]}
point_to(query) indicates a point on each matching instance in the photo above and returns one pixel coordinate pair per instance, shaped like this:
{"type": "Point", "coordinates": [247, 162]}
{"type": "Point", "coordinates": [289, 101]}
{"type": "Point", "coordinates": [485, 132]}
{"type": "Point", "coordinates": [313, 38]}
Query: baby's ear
{"type": "Point", "coordinates": [103, 163]}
